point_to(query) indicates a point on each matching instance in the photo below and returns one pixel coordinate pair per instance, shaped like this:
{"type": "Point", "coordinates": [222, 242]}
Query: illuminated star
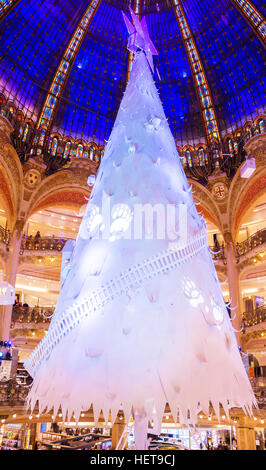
{"type": "Point", "coordinates": [139, 36]}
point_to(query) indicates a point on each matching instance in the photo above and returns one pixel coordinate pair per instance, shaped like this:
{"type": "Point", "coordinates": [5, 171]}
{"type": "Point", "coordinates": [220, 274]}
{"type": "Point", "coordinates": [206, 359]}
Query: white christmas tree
{"type": "Point", "coordinates": [140, 320]}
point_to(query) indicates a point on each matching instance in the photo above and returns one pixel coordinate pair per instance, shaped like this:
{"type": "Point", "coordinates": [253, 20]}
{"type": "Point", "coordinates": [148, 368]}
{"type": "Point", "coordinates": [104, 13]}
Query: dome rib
{"type": "Point", "coordinates": [199, 77]}
{"type": "Point", "coordinates": [48, 112]}
{"type": "Point", "coordinates": [253, 18]}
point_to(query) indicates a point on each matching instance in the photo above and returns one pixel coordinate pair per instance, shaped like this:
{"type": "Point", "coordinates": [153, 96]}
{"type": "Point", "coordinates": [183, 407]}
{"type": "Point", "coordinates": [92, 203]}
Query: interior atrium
{"type": "Point", "coordinates": [64, 69]}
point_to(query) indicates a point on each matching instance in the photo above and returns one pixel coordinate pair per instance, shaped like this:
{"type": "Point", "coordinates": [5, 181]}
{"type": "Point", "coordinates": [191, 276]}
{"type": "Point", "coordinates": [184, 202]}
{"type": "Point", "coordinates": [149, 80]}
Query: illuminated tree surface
{"type": "Point", "coordinates": [140, 320]}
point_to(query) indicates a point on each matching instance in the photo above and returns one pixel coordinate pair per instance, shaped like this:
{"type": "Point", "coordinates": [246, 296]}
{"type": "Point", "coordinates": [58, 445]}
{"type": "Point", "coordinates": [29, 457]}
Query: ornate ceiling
{"type": "Point", "coordinates": [35, 37]}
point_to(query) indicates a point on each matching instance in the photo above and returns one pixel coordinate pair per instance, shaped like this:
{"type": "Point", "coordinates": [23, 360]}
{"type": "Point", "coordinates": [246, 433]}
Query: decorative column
{"type": "Point", "coordinates": [117, 431]}
{"type": "Point", "coordinates": [233, 284]}
{"type": "Point", "coordinates": [33, 435]}
{"type": "Point", "coordinates": [11, 273]}
{"type": "Point", "coordinates": [245, 436]}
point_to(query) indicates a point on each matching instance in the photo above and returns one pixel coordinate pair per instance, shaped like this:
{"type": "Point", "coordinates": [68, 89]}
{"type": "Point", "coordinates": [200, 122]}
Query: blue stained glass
{"type": "Point", "coordinates": [34, 36]}
{"type": "Point", "coordinates": [231, 54]}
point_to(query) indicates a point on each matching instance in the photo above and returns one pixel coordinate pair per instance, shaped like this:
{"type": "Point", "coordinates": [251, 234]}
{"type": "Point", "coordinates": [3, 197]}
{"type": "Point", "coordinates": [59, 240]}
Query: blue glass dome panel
{"type": "Point", "coordinates": [175, 84]}
{"type": "Point", "coordinates": [33, 38]}
{"type": "Point", "coordinates": [233, 59]}
{"type": "Point", "coordinates": [97, 80]}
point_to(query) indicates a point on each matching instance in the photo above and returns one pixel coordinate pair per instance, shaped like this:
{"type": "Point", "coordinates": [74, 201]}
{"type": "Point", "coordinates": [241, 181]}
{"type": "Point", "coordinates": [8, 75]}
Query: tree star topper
{"type": "Point", "coordinates": [139, 36]}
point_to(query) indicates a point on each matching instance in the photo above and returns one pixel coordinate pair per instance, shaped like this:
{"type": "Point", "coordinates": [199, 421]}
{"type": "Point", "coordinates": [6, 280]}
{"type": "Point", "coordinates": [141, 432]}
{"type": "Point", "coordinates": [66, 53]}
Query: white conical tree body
{"type": "Point", "coordinates": [140, 322]}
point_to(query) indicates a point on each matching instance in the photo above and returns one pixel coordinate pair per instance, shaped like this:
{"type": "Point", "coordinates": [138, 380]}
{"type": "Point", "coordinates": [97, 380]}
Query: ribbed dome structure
{"type": "Point", "coordinates": [222, 39]}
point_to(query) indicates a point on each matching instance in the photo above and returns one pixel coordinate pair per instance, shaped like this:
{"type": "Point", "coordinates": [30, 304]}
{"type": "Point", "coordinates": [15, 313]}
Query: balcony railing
{"type": "Point", "coordinates": [43, 243]}
{"type": "Point", "coordinates": [4, 235]}
{"type": "Point", "coordinates": [255, 317]}
{"type": "Point", "coordinates": [31, 314]}
{"type": "Point", "coordinates": [251, 242]}
{"type": "Point", "coordinates": [12, 393]}
{"type": "Point", "coordinates": [217, 252]}
{"type": "Point", "coordinates": [57, 244]}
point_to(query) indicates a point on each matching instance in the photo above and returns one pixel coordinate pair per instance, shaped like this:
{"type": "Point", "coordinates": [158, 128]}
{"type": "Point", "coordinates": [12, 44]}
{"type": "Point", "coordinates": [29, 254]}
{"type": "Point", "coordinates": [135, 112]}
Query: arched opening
{"type": "Point", "coordinates": [253, 219]}
{"type": "Point", "coordinates": [53, 146]}
{"type": "Point", "coordinates": [253, 299]}
{"type": "Point", "coordinates": [6, 201]}
{"type": "Point", "coordinates": [67, 149]}
{"type": "Point", "coordinates": [214, 234]}
{"type": "Point", "coordinates": [230, 147]}
{"type": "Point", "coordinates": [202, 154]}
{"type": "Point", "coordinates": [188, 157]}
{"type": "Point", "coordinates": [58, 213]}
{"type": "Point", "coordinates": [261, 126]}
{"type": "Point", "coordinates": [250, 208]}
{"type": "Point", "coordinates": [54, 220]}
{"type": "Point", "coordinates": [79, 151]}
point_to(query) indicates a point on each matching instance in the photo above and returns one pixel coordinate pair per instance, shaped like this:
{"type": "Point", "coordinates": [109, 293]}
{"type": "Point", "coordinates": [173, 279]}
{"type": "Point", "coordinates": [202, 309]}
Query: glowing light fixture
{"type": "Point", "coordinates": [32, 288]}
{"type": "Point", "coordinates": [250, 291]}
{"type": "Point", "coordinates": [248, 168]}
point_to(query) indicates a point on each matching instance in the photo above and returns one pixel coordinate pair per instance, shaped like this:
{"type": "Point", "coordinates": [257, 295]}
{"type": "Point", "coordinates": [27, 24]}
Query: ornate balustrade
{"type": "Point", "coordinates": [255, 317]}
{"type": "Point", "coordinates": [251, 242]}
{"type": "Point", "coordinates": [32, 314]}
{"type": "Point", "coordinates": [43, 243]}
{"type": "Point", "coordinates": [217, 253]}
{"type": "Point", "coordinates": [57, 244]}
{"type": "Point", "coordinates": [4, 235]}
{"type": "Point", "coordinates": [12, 393]}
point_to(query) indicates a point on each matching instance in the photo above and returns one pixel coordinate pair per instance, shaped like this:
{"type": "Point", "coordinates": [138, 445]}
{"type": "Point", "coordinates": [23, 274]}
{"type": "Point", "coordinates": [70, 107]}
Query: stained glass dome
{"type": "Point", "coordinates": [64, 64]}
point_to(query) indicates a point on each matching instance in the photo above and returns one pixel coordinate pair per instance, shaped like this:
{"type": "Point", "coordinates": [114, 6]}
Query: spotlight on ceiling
{"type": "Point", "coordinates": [248, 167]}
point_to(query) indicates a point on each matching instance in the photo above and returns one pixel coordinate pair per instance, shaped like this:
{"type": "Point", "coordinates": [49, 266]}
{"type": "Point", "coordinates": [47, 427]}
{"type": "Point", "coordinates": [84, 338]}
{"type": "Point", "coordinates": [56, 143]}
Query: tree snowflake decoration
{"type": "Point", "coordinates": [122, 216]}
{"type": "Point", "coordinates": [92, 223]}
{"type": "Point", "coordinates": [192, 293]}
{"type": "Point", "coordinates": [217, 311]}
